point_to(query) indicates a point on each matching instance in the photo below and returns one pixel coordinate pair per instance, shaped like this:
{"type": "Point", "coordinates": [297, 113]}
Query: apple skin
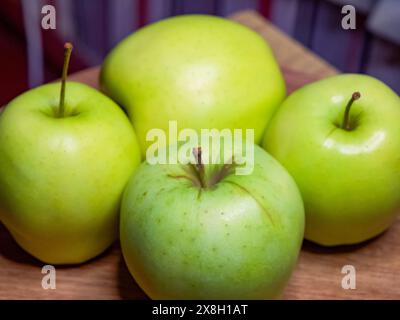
{"type": "Point", "coordinates": [349, 180]}
{"type": "Point", "coordinates": [61, 179]}
{"type": "Point", "coordinates": [239, 239]}
{"type": "Point", "coordinates": [202, 71]}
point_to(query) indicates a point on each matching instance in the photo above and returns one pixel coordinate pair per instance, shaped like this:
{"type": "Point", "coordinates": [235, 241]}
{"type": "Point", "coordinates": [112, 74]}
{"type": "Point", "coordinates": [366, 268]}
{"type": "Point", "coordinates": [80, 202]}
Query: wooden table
{"type": "Point", "coordinates": [317, 276]}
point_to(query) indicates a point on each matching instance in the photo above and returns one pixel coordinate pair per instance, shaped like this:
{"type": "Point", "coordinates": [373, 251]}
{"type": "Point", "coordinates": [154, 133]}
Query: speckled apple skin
{"type": "Point", "coordinates": [349, 180]}
{"type": "Point", "coordinates": [238, 240]}
{"type": "Point", "coordinates": [61, 179]}
{"type": "Point", "coordinates": [202, 71]}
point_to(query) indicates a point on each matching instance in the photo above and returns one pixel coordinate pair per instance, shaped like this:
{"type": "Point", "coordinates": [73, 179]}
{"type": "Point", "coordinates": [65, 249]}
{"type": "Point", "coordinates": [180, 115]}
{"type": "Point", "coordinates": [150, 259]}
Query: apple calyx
{"type": "Point", "coordinates": [198, 168]}
{"type": "Point", "coordinates": [67, 56]}
{"type": "Point", "coordinates": [346, 118]}
{"type": "Point", "coordinates": [198, 175]}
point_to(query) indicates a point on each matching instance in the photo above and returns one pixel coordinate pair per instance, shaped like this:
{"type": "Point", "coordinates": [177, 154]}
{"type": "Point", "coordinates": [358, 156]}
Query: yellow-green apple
{"type": "Point", "coordinates": [202, 71]}
{"type": "Point", "coordinates": [63, 167]}
{"type": "Point", "coordinates": [340, 140]}
{"type": "Point", "coordinates": [201, 231]}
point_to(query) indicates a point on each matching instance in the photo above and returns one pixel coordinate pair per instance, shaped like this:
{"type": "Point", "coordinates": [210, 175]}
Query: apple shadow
{"type": "Point", "coordinates": [127, 286]}
{"type": "Point", "coordinates": [10, 250]}
{"type": "Point", "coordinates": [313, 247]}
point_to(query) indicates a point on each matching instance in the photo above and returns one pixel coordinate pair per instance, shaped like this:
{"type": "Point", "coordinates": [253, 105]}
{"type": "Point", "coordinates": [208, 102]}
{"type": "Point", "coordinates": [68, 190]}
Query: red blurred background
{"type": "Point", "coordinates": [30, 55]}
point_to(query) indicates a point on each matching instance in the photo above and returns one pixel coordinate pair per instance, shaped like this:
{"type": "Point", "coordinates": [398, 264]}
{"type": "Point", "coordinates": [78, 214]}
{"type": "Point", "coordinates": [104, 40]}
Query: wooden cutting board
{"type": "Point", "coordinates": [318, 273]}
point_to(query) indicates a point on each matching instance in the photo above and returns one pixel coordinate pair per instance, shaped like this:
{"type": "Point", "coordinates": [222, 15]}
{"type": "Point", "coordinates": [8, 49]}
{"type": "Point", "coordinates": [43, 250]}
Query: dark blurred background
{"type": "Point", "coordinates": [30, 56]}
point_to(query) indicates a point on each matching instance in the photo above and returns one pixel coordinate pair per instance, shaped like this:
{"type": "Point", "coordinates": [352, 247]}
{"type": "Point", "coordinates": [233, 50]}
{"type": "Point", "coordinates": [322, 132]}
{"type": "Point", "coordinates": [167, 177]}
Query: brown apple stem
{"type": "Point", "coordinates": [67, 56]}
{"type": "Point", "coordinates": [199, 167]}
{"type": "Point", "coordinates": [346, 123]}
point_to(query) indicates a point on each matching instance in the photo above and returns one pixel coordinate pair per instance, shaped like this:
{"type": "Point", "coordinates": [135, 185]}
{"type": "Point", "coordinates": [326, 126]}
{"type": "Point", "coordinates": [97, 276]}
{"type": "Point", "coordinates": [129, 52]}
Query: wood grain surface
{"type": "Point", "coordinates": [318, 273]}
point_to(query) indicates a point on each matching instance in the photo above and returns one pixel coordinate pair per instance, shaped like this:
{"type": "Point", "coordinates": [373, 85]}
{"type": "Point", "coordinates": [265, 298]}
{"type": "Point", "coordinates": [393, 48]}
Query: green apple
{"type": "Point", "coordinates": [344, 155]}
{"type": "Point", "coordinates": [204, 232]}
{"type": "Point", "coordinates": [202, 71]}
{"type": "Point", "coordinates": [63, 171]}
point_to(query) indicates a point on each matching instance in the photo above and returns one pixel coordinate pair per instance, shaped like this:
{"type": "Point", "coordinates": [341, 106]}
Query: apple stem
{"type": "Point", "coordinates": [67, 56]}
{"type": "Point", "coordinates": [346, 123]}
{"type": "Point", "coordinates": [199, 167]}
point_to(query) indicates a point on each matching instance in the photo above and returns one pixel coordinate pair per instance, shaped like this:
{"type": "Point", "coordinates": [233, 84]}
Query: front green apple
{"type": "Point", "coordinates": [231, 237]}
{"type": "Point", "coordinates": [346, 164]}
{"type": "Point", "coordinates": [202, 71]}
{"type": "Point", "coordinates": [62, 177]}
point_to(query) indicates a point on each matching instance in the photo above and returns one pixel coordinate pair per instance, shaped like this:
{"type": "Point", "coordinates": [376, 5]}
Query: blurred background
{"type": "Point", "coordinates": [30, 55]}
